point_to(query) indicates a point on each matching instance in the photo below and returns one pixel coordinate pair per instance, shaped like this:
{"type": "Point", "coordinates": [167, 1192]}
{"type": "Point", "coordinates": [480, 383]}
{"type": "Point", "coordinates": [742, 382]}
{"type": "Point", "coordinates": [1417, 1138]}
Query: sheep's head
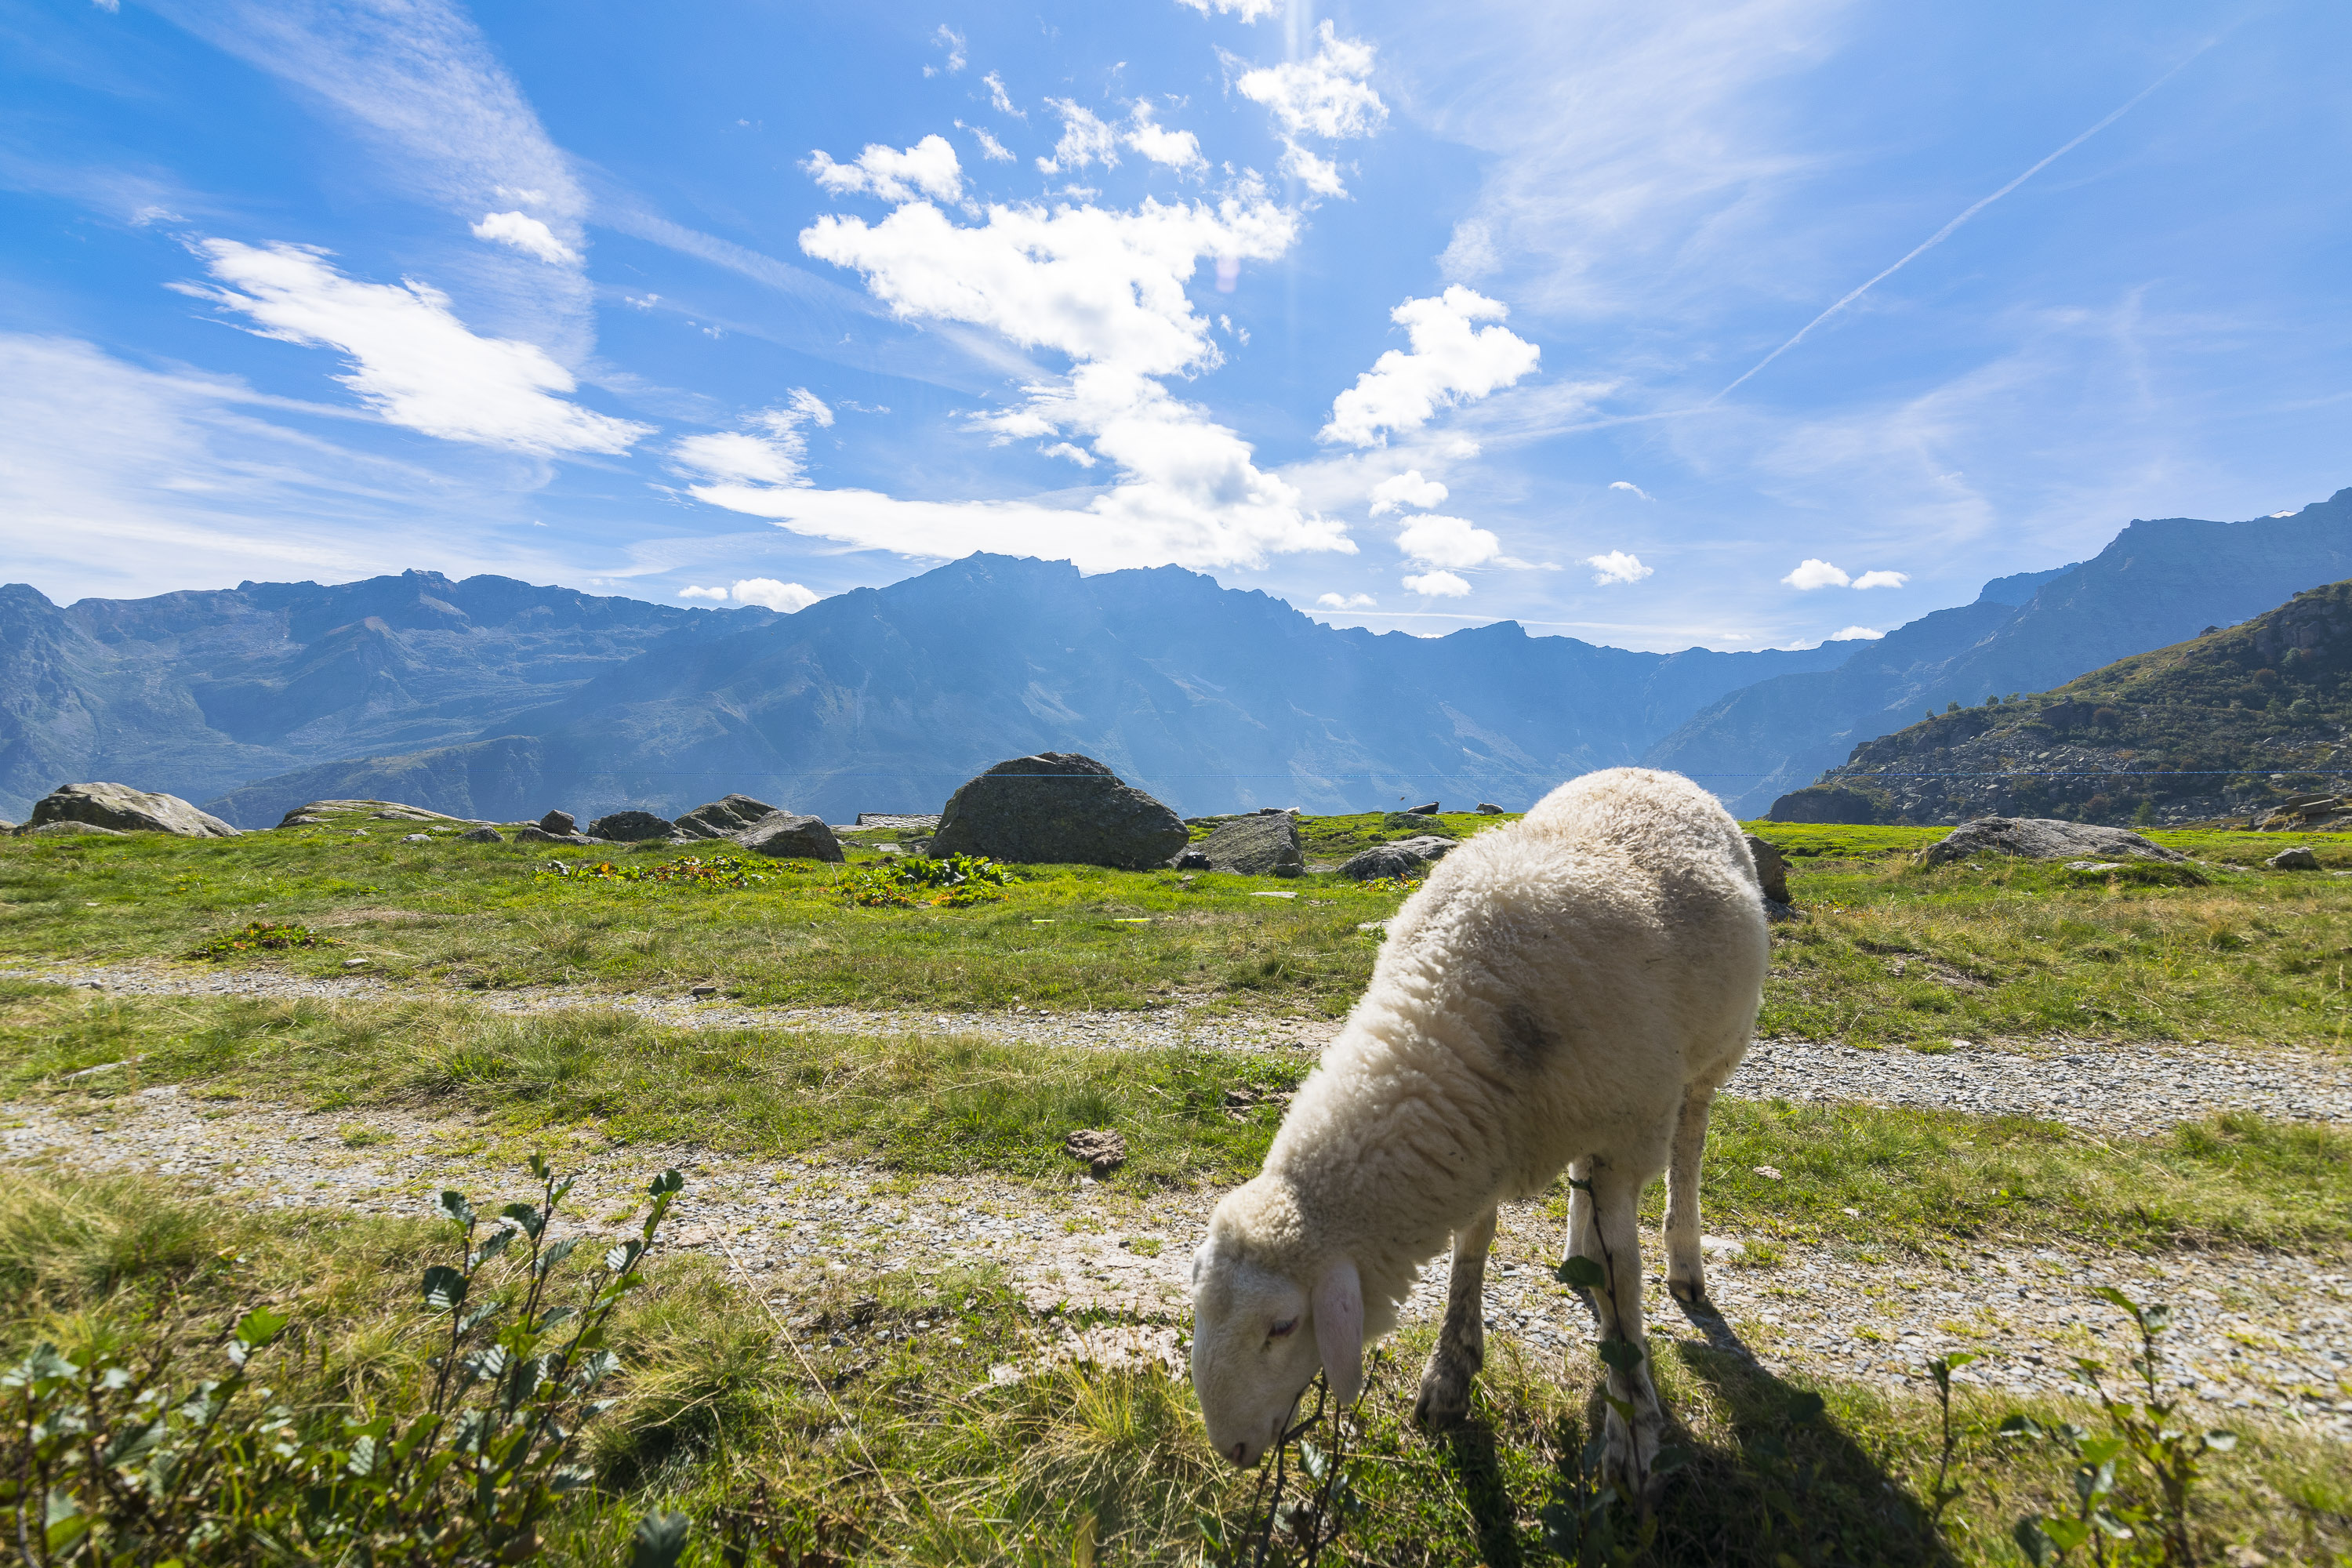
{"type": "Point", "coordinates": [1260, 1331]}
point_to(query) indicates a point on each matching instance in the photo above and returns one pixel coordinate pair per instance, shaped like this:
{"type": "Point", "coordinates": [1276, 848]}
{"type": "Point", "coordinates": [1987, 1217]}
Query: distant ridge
{"type": "Point", "coordinates": [2156, 583]}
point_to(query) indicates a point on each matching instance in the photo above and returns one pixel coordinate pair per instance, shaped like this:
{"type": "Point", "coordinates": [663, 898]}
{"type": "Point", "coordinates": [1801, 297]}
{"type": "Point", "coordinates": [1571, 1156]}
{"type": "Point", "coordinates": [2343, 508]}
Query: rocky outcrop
{"type": "Point", "coordinates": [631, 827]}
{"type": "Point", "coordinates": [1058, 807]}
{"type": "Point", "coordinates": [1264, 846]}
{"type": "Point", "coordinates": [127, 810]}
{"type": "Point", "coordinates": [723, 817]}
{"type": "Point", "coordinates": [1406, 857]}
{"type": "Point", "coordinates": [1772, 870]}
{"type": "Point", "coordinates": [1829, 803]}
{"type": "Point", "coordinates": [61, 829]}
{"type": "Point", "coordinates": [785, 835]}
{"type": "Point", "coordinates": [2045, 838]}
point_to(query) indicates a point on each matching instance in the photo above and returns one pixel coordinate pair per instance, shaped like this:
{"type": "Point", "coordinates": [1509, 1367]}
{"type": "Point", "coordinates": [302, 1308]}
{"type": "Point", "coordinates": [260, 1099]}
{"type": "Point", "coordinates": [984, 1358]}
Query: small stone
{"type": "Point", "coordinates": [1100, 1150]}
{"type": "Point", "coordinates": [483, 834]}
{"type": "Point", "coordinates": [1770, 1173]}
{"type": "Point", "coordinates": [2298, 859]}
{"type": "Point", "coordinates": [418, 839]}
{"type": "Point", "coordinates": [706, 991]}
{"type": "Point", "coordinates": [1721, 1246]}
{"type": "Point", "coordinates": [1488, 808]}
{"type": "Point", "coordinates": [355, 963]}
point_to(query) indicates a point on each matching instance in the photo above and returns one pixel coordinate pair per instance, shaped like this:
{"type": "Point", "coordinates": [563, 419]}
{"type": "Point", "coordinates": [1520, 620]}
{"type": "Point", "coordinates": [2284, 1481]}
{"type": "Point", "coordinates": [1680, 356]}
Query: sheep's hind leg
{"type": "Point", "coordinates": [1462, 1342]}
{"type": "Point", "coordinates": [1632, 1447]}
{"type": "Point", "coordinates": [1685, 1268]}
{"type": "Point", "coordinates": [1581, 1242]}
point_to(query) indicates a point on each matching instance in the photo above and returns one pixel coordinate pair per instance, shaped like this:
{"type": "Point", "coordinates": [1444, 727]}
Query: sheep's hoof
{"type": "Point", "coordinates": [1444, 1400]}
{"type": "Point", "coordinates": [1689, 1292]}
{"type": "Point", "coordinates": [1629, 1464]}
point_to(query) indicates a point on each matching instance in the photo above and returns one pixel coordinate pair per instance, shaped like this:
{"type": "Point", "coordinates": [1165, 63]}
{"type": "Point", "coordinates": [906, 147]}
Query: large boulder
{"type": "Point", "coordinates": [1772, 869]}
{"type": "Point", "coordinates": [1405, 858]}
{"type": "Point", "coordinates": [723, 817]}
{"type": "Point", "coordinates": [783, 836]}
{"type": "Point", "coordinates": [127, 810]}
{"type": "Point", "coordinates": [1830, 804]}
{"type": "Point", "coordinates": [630, 827]}
{"type": "Point", "coordinates": [2046, 838]}
{"type": "Point", "coordinates": [559, 824]}
{"type": "Point", "coordinates": [1057, 807]}
{"type": "Point", "coordinates": [1262, 845]}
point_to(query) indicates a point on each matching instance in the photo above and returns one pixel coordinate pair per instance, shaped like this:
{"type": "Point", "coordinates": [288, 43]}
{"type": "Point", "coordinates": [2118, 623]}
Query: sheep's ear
{"type": "Point", "coordinates": [1339, 1329]}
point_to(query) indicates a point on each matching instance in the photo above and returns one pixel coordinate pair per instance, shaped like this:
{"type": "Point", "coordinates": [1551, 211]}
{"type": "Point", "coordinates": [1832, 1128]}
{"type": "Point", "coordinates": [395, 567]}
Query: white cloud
{"type": "Point", "coordinates": [528, 234]}
{"type": "Point", "coordinates": [1109, 290]}
{"type": "Point", "coordinates": [788, 597]}
{"type": "Point", "coordinates": [413, 360]}
{"type": "Point", "coordinates": [1437, 541]}
{"type": "Point", "coordinates": [1347, 601]}
{"type": "Point", "coordinates": [990, 147]}
{"type": "Point", "coordinates": [1076, 454]}
{"type": "Point", "coordinates": [1085, 139]}
{"type": "Point", "coordinates": [1449, 364]}
{"type": "Point", "coordinates": [1247, 10]}
{"type": "Point", "coordinates": [1179, 150]}
{"type": "Point", "coordinates": [1437, 586]}
{"type": "Point", "coordinates": [1324, 96]}
{"type": "Point", "coordinates": [1470, 253]}
{"type": "Point", "coordinates": [1630, 487]}
{"type": "Point", "coordinates": [1617, 566]}
{"type": "Point", "coordinates": [1399, 491]}
{"type": "Point", "coordinates": [1881, 580]}
{"type": "Point", "coordinates": [947, 38]}
{"type": "Point", "coordinates": [928, 167]}
{"type": "Point", "coordinates": [1810, 574]}
{"type": "Point", "coordinates": [714, 595]}
{"type": "Point", "coordinates": [771, 450]}
{"type": "Point", "coordinates": [1857, 634]}
{"type": "Point", "coordinates": [1001, 98]}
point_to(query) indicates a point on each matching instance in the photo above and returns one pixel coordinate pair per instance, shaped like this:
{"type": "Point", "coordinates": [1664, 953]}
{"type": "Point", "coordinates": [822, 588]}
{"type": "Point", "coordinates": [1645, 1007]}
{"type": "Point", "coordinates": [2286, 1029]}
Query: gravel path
{"type": "Point", "coordinates": [2268, 1335]}
{"type": "Point", "coordinates": [2098, 1085]}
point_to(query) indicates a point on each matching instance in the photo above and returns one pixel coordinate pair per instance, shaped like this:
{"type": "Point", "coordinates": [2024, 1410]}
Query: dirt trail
{"type": "Point", "coordinates": [2100, 1086]}
{"type": "Point", "coordinates": [2267, 1333]}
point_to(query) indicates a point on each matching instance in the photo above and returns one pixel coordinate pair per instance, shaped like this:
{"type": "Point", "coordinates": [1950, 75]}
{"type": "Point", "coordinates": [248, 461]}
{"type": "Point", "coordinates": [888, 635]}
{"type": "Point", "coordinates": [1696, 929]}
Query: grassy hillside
{"type": "Point", "coordinates": [2230, 722]}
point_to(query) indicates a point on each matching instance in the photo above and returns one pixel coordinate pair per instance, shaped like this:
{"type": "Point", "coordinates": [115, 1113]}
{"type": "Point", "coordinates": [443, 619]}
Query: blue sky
{"type": "Point", "coordinates": [1417, 317]}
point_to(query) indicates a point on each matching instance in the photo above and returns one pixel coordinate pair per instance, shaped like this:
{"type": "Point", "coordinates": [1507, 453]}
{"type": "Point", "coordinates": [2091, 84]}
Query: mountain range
{"type": "Point", "coordinates": [2228, 721]}
{"type": "Point", "coordinates": [496, 699]}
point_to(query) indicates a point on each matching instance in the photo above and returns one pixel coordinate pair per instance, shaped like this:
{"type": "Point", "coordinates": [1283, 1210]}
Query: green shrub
{"type": "Point", "coordinates": [258, 936]}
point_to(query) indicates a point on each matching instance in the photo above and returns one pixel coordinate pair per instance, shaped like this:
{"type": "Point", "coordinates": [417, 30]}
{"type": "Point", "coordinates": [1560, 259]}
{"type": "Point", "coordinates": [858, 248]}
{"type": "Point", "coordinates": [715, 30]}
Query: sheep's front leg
{"type": "Point", "coordinates": [1685, 1268]}
{"type": "Point", "coordinates": [1632, 1446]}
{"type": "Point", "coordinates": [1462, 1342]}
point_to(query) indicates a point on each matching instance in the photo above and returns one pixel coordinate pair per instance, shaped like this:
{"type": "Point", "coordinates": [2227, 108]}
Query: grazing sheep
{"type": "Point", "coordinates": [1572, 988]}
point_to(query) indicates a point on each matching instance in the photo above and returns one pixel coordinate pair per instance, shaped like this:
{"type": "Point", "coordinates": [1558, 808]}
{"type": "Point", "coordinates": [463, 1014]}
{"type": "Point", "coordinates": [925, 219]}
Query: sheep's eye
{"type": "Point", "coordinates": [1282, 1328]}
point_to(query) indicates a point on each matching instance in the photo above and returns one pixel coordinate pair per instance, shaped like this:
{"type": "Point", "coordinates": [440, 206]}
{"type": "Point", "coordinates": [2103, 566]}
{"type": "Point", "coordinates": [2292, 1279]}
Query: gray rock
{"type": "Point", "coordinates": [1192, 858]}
{"type": "Point", "coordinates": [127, 810]}
{"type": "Point", "coordinates": [1772, 869]}
{"type": "Point", "coordinates": [1488, 808]}
{"type": "Point", "coordinates": [54, 829]}
{"type": "Point", "coordinates": [303, 819]}
{"type": "Point", "coordinates": [631, 826]}
{"type": "Point", "coordinates": [2298, 859]}
{"type": "Point", "coordinates": [559, 823]}
{"type": "Point", "coordinates": [1407, 857]}
{"type": "Point", "coordinates": [1429, 810]}
{"type": "Point", "coordinates": [1058, 807]}
{"type": "Point", "coordinates": [783, 836]}
{"type": "Point", "coordinates": [481, 836]}
{"type": "Point", "coordinates": [723, 817]}
{"type": "Point", "coordinates": [1409, 822]}
{"type": "Point", "coordinates": [1264, 846]}
{"type": "Point", "coordinates": [541, 836]}
{"type": "Point", "coordinates": [2045, 838]}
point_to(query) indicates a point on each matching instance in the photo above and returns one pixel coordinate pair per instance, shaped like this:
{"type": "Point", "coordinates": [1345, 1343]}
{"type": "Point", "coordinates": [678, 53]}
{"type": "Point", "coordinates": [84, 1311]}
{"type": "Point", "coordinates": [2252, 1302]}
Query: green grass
{"type": "Point", "coordinates": [861, 1423]}
{"type": "Point", "coordinates": [490, 916]}
{"type": "Point", "coordinates": [945, 1104]}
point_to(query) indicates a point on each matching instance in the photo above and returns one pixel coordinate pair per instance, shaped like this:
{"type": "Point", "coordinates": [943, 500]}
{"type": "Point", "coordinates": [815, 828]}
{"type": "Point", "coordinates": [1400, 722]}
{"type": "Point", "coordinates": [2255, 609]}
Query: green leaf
{"type": "Point", "coordinates": [659, 1540]}
{"type": "Point", "coordinates": [445, 1288]}
{"type": "Point", "coordinates": [1580, 1272]}
{"type": "Point", "coordinates": [1318, 1462]}
{"type": "Point", "coordinates": [620, 1257]}
{"type": "Point", "coordinates": [260, 1326]}
{"type": "Point", "coordinates": [2035, 1542]}
{"type": "Point", "coordinates": [453, 1204]}
{"type": "Point", "coordinates": [498, 1241]}
{"type": "Point", "coordinates": [665, 1183]}
{"type": "Point", "coordinates": [2114, 1297]}
{"type": "Point", "coordinates": [362, 1461]}
{"type": "Point", "coordinates": [2220, 1442]}
{"type": "Point", "coordinates": [527, 1216]}
{"type": "Point", "coordinates": [1959, 1359]}
{"type": "Point", "coordinates": [2066, 1535]}
{"type": "Point", "coordinates": [557, 1254]}
{"type": "Point", "coordinates": [1621, 1355]}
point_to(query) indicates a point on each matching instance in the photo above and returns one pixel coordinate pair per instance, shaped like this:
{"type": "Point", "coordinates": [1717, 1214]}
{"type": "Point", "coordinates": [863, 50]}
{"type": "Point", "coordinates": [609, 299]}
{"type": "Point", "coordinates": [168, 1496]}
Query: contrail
{"type": "Point", "coordinates": [1944, 233]}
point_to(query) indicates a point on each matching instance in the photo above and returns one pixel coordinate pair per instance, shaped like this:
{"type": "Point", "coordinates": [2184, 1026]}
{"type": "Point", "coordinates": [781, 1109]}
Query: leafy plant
{"type": "Point", "coordinates": [719, 871]}
{"type": "Point", "coordinates": [2142, 1428]}
{"type": "Point", "coordinates": [110, 1460]}
{"type": "Point", "coordinates": [259, 936]}
{"type": "Point", "coordinates": [964, 879]}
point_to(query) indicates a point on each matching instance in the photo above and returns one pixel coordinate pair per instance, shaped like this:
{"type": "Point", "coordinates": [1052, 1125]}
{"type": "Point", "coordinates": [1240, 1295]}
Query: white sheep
{"type": "Point", "coordinates": [1570, 989]}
